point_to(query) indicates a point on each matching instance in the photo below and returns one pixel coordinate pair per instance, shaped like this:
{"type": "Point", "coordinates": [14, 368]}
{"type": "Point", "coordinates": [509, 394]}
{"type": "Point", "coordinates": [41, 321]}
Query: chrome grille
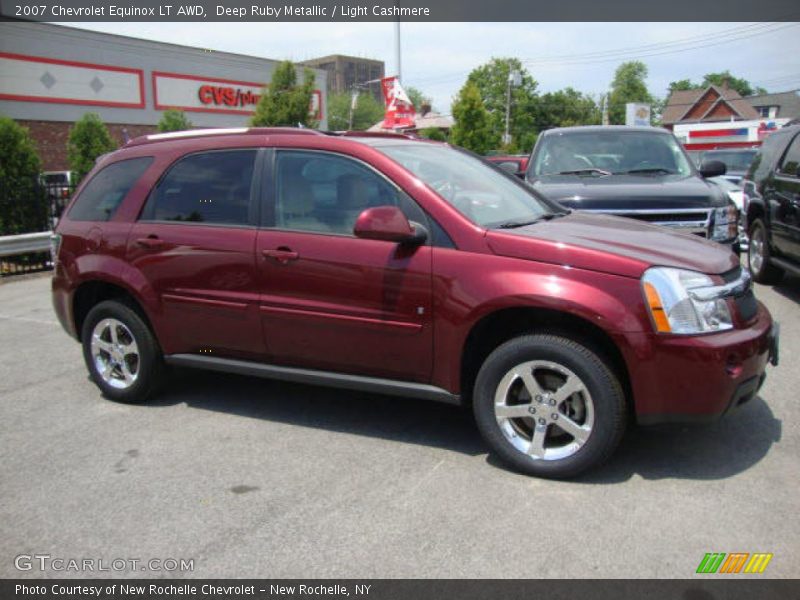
{"type": "Point", "coordinates": [689, 220]}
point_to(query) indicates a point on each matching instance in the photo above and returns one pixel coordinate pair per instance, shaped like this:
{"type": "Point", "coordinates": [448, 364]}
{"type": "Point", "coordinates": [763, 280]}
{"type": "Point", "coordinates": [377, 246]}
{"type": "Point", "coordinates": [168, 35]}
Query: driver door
{"type": "Point", "coordinates": [332, 301]}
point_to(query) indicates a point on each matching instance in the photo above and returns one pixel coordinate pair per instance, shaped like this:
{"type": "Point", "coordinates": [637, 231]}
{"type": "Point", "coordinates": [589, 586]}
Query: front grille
{"type": "Point", "coordinates": [691, 220]}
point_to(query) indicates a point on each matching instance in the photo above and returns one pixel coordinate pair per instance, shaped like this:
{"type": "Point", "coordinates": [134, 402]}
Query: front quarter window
{"type": "Point", "coordinates": [482, 194]}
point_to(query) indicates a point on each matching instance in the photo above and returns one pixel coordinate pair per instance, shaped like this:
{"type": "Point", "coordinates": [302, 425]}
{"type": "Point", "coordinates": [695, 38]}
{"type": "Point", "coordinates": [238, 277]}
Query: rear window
{"type": "Point", "coordinates": [104, 193]}
{"type": "Point", "coordinates": [734, 161]}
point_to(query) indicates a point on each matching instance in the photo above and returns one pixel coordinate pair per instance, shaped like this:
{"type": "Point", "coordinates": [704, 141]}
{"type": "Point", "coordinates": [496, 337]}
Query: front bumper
{"type": "Point", "coordinates": [700, 378]}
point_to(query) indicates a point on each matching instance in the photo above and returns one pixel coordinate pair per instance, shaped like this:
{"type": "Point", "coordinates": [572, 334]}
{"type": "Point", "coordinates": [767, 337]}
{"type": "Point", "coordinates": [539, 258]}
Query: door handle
{"type": "Point", "coordinates": [151, 242]}
{"type": "Point", "coordinates": [283, 255]}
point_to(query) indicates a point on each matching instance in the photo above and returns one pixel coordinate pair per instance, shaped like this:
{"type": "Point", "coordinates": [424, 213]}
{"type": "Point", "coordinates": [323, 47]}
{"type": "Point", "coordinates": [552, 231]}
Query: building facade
{"type": "Point", "coordinates": [50, 76]}
{"type": "Point", "coordinates": [345, 73]}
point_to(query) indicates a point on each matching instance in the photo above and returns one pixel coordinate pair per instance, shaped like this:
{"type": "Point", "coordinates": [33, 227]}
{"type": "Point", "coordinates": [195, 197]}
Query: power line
{"type": "Point", "coordinates": [649, 50]}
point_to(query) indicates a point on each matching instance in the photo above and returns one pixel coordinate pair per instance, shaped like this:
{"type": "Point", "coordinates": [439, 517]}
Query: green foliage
{"type": "Point", "coordinates": [22, 204]}
{"type": "Point", "coordinates": [433, 133]}
{"type": "Point", "coordinates": [744, 87]}
{"type": "Point", "coordinates": [565, 108]}
{"type": "Point", "coordinates": [285, 101]}
{"type": "Point", "coordinates": [88, 139]}
{"type": "Point", "coordinates": [368, 111]}
{"type": "Point", "coordinates": [628, 86]}
{"type": "Point", "coordinates": [473, 124]}
{"type": "Point", "coordinates": [417, 98]}
{"type": "Point", "coordinates": [174, 120]}
{"type": "Point", "coordinates": [491, 79]}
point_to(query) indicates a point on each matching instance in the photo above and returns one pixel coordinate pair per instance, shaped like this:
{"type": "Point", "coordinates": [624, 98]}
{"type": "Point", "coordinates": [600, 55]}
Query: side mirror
{"type": "Point", "coordinates": [388, 223]}
{"type": "Point", "coordinates": [712, 168]}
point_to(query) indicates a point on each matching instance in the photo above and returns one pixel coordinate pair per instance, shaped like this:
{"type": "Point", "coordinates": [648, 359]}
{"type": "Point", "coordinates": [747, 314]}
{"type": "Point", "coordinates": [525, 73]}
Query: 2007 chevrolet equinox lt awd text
{"type": "Point", "coordinates": [405, 267]}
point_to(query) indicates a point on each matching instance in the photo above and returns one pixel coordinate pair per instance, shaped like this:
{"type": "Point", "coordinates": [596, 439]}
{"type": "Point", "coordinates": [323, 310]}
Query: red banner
{"type": "Point", "coordinates": [400, 111]}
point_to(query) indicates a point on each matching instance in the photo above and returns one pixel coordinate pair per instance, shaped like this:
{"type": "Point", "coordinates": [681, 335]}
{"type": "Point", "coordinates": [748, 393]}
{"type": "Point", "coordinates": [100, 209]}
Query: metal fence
{"type": "Point", "coordinates": [26, 220]}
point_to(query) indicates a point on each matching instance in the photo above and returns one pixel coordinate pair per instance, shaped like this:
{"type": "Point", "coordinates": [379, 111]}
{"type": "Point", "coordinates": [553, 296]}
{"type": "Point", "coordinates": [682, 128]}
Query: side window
{"type": "Point", "coordinates": [791, 162]}
{"type": "Point", "coordinates": [325, 193]}
{"type": "Point", "coordinates": [104, 193]}
{"type": "Point", "coordinates": [211, 187]}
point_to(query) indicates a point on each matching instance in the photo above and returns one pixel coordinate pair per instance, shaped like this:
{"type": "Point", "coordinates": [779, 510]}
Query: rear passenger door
{"type": "Point", "coordinates": [785, 202]}
{"type": "Point", "coordinates": [194, 243]}
{"type": "Point", "coordinates": [332, 301]}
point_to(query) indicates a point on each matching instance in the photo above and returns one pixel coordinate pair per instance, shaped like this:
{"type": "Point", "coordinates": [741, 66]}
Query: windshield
{"type": "Point", "coordinates": [610, 152]}
{"type": "Point", "coordinates": [734, 161]}
{"type": "Point", "coordinates": [482, 194]}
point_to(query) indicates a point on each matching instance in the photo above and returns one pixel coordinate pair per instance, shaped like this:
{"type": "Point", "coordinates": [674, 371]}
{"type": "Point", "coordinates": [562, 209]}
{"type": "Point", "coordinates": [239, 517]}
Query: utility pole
{"type": "Point", "coordinates": [514, 78]}
{"type": "Point", "coordinates": [397, 50]}
{"type": "Point", "coordinates": [605, 109]}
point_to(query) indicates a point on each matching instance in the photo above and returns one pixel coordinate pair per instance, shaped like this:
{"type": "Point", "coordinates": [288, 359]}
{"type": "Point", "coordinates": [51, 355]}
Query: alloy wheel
{"type": "Point", "coordinates": [544, 410]}
{"type": "Point", "coordinates": [115, 353]}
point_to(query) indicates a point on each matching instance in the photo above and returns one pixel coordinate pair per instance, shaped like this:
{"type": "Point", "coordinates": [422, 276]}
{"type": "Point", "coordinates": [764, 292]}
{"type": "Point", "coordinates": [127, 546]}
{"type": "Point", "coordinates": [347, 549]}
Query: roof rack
{"type": "Point", "coordinates": [195, 133]}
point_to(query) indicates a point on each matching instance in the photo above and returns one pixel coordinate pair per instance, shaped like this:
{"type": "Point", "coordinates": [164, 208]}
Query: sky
{"type": "Point", "coordinates": [437, 57]}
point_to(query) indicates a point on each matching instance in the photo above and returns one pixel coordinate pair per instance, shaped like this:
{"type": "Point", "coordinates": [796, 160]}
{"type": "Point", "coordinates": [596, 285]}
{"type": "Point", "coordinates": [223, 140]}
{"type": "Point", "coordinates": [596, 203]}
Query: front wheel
{"type": "Point", "coordinates": [549, 406]}
{"type": "Point", "coordinates": [121, 353]}
{"type": "Point", "coordinates": [758, 255]}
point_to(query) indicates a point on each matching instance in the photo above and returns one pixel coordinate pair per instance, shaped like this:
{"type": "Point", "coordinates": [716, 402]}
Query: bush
{"type": "Point", "coordinates": [23, 207]}
{"type": "Point", "coordinates": [433, 133]}
{"type": "Point", "coordinates": [174, 120]}
{"type": "Point", "coordinates": [88, 139]}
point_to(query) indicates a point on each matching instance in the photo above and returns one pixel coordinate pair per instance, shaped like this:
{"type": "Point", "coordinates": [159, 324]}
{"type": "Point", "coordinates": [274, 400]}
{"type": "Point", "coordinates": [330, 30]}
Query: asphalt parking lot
{"type": "Point", "coordinates": [252, 478]}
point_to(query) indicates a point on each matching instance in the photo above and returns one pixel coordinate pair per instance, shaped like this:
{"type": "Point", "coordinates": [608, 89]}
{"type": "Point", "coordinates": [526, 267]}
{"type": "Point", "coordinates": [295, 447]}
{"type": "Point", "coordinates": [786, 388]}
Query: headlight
{"type": "Point", "coordinates": [723, 223]}
{"type": "Point", "coordinates": [685, 302]}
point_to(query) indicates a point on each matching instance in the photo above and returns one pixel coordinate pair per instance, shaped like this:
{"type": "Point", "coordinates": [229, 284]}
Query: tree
{"type": "Point", "coordinates": [367, 112]}
{"type": "Point", "coordinates": [491, 80]}
{"type": "Point", "coordinates": [433, 133]}
{"type": "Point", "coordinates": [744, 87]}
{"type": "Point", "coordinates": [285, 101]}
{"type": "Point", "coordinates": [88, 139]}
{"type": "Point", "coordinates": [417, 98]}
{"type": "Point", "coordinates": [22, 203]}
{"type": "Point", "coordinates": [473, 125]}
{"type": "Point", "coordinates": [682, 85]}
{"type": "Point", "coordinates": [174, 120]}
{"type": "Point", "coordinates": [565, 108]}
{"type": "Point", "coordinates": [628, 86]}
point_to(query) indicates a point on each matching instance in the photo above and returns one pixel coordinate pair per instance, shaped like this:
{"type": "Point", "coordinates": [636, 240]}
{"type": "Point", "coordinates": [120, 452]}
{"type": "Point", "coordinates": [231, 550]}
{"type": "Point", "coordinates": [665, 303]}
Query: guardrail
{"type": "Point", "coordinates": [13, 245]}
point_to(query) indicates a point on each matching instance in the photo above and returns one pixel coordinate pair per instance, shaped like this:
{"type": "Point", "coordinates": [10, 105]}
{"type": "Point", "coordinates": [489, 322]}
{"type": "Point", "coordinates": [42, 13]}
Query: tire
{"type": "Point", "coordinates": [121, 353]}
{"type": "Point", "coordinates": [758, 255]}
{"type": "Point", "coordinates": [511, 418]}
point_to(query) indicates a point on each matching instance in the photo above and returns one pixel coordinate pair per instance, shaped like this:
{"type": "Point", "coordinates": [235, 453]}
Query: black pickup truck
{"type": "Point", "coordinates": [772, 206]}
{"type": "Point", "coordinates": [638, 172]}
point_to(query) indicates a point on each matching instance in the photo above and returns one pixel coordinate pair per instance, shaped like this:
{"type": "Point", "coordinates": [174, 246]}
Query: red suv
{"type": "Point", "coordinates": [404, 267]}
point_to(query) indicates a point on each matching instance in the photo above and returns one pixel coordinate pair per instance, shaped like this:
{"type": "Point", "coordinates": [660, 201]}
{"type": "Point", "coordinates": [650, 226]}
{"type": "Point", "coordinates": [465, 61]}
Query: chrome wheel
{"type": "Point", "coordinates": [115, 353]}
{"type": "Point", "coordinates": [756, 250]}
{"type": "Point", "coordinates": [544, 410]}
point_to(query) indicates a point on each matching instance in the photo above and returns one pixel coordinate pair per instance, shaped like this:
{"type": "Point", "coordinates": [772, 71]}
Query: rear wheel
{"type": "Point", "coordinates": [121, 353]}
{"type": "Point", "coordinates": [549, 406]}
{"type": "Point", "coordinates": [758, 255]}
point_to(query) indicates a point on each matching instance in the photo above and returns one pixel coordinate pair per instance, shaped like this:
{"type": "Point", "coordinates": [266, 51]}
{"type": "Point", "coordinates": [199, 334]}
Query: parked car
{"type": "Point", "coordinates": [772, 201]}
{"type": "Point", "coordinates": [514, 163]}
{"type": "Point", "coordinates": [736, 194]}
{"type": "Point", "coordinates": [636, 172]}
{"type": "Point", "coordinates": [736, 160]}
{"type": "Point", "coordinates": [404, 267]}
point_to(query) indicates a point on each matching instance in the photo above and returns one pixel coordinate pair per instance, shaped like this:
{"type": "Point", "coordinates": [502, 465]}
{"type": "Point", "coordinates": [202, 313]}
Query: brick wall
{"type": "Point", "coordinates": [51, 137]}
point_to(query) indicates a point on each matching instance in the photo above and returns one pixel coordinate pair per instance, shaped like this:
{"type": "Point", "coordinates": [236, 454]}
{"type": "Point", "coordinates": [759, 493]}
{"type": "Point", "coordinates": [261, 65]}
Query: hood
{"type": "Point", "coordinates": [629, 192]}
{"type": "Point", "coordinates": [610, 244]}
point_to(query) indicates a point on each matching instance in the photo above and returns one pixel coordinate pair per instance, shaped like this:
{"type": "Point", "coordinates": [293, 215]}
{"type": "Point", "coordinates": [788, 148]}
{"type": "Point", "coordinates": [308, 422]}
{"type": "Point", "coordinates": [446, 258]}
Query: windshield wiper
{"type": "Point", "coordinates": [523, 223]}
{"type": "Point", "coordinates": [586, 171]}
{"type": "Point", "coordinates": [650, 170]}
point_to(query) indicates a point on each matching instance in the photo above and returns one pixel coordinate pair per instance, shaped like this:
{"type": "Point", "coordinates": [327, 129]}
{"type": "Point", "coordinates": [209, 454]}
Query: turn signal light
{"type": "Point", "coordinates": [656, 309]}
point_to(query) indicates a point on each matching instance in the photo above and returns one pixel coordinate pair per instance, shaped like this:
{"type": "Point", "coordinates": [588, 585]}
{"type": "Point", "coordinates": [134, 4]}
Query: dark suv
{"type": "Point", "coordinates": [772, 206]}
{"type": "Point", "coordinates": [405, 267]}
{"type": "Point", "coordinates": [637, 172]}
